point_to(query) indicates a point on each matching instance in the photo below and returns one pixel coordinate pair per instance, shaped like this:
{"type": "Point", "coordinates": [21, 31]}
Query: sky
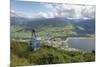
{"type": "Point", "coordinates": [51, 10]}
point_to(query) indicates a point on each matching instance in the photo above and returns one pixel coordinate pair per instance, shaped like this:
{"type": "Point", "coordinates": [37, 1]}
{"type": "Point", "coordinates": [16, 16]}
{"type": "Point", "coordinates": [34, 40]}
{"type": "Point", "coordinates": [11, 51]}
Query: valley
{"type": "Point", "coordinates": [51, 33]}
{"type": "Point", "coordinates": [55, 34]}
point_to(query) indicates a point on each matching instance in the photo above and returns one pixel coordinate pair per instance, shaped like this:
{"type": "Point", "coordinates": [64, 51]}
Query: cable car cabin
{"type": "Point", "coordinates": [36, 43]}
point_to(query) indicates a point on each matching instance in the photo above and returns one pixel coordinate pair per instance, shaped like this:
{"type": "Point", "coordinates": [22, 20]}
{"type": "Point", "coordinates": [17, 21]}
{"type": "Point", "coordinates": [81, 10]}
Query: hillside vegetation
{"type": "Point", "coordinates": [21, 55]}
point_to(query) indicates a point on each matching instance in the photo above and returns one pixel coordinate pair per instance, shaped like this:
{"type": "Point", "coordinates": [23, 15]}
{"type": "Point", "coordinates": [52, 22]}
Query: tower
{"type": "Point", "coordinates": [35, 41]}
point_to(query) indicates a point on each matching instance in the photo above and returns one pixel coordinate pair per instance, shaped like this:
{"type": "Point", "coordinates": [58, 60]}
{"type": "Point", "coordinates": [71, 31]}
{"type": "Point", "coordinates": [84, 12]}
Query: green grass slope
{"type": "Point", "coordinates": [21, 55]}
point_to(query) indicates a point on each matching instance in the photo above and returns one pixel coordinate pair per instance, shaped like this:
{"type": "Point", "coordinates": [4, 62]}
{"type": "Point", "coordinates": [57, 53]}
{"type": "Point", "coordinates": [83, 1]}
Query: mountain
{"type": "Point", "coordinates": [80, 25]}
{"type": "Point", "coordinates": [87, 25]}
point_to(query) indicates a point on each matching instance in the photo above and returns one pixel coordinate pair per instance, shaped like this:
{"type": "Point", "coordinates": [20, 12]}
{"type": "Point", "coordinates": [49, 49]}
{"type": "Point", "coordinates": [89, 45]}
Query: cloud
{"type": "Point", "coordinates": [40, 14]}
{"type": "Point", "coordinates": [14, 13]}
{"type": "Point", "coordinates": [71, 11]}
{"type": "Point", "coordinates": [61, 10]}
{"type": "Point", "coordinates": [89, 12]}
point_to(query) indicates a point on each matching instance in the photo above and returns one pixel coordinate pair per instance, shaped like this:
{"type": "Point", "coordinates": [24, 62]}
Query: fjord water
{"type": "Point", "coordinates": [86, 44]}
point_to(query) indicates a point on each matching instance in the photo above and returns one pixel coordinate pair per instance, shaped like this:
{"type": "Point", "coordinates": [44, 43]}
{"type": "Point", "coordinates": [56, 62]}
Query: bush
{"type": "Point", "coordinates": [20, 49]}
{"type": "Point", "coordinates": [16, 61]}
{"type": "Point", "coordinates": [46, 56]}
{"type": "Point", "coordinates": [21, 54]}
{"type": "Point", "coordinates": [88, 57]}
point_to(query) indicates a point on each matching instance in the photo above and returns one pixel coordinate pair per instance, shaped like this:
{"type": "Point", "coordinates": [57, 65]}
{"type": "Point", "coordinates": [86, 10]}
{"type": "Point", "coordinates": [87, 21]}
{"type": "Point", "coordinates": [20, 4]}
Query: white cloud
{"type": "Point", "coordinates": [14, 13]}
{"type": "Point", "coordinates": [61, 10]}
{"type": "Point", "coordinates": [71, 11]}
{"type": "Point", "coordinates": [27, 15]}
{"type": "Point", "coordinates": [89, 12]}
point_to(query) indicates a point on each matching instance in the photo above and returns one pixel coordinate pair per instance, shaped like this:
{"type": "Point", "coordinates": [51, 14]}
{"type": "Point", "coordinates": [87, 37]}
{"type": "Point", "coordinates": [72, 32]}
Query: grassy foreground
{"type": "Point", "coordinates": [22, 55]}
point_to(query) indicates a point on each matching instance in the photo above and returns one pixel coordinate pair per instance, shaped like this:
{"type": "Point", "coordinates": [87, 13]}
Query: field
{"type": "Point", "coordinates": [22, 54]}
{"type": "Point", "coordinates": [41, 33]}
{"type": "Point", "coordinates": [61, 32]}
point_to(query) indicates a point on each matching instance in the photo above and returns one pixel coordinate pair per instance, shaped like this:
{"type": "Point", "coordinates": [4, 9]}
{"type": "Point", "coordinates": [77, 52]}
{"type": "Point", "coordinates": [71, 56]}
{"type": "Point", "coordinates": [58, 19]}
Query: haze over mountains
{"type": "Point", "coordinates": [52, 14]}
{"type": "Point", "coordinates": [37, 15]}
{"type": "Point", "coordinates": [88, 25]}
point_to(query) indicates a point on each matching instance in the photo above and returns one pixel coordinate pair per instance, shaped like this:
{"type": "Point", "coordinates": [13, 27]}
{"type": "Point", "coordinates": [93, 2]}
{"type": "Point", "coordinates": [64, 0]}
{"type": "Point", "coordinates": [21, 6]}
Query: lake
{"type": "Point", "coordinates": [87, 44]}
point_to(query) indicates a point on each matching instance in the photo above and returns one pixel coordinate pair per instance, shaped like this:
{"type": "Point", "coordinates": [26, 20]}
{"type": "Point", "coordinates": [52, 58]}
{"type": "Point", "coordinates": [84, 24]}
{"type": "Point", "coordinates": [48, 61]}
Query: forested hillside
{"type": "Point", "coordinates": [21, 55]}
